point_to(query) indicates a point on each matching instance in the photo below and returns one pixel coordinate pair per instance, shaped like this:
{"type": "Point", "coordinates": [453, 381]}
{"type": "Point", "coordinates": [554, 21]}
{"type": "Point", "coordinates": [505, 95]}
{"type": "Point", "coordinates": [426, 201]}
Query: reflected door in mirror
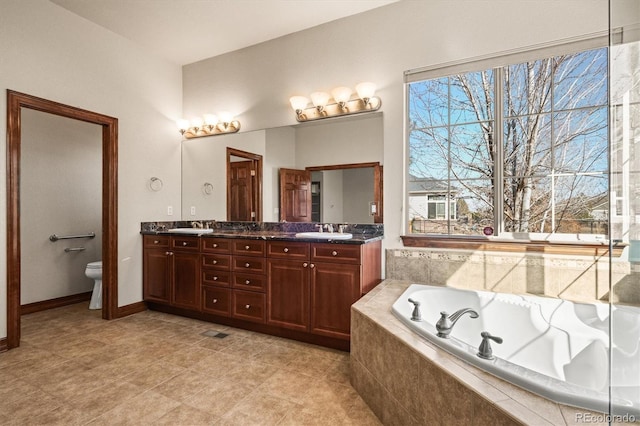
{"type": "Point", "coordinates": [241, 199]}
{"type": "Point", "coordinates": [295, 195]}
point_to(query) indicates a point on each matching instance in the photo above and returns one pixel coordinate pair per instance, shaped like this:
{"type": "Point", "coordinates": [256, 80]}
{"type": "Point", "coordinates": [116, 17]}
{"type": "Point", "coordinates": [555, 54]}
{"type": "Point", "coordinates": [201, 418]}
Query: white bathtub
{"type": "Point", "coordinates": [552, 347]}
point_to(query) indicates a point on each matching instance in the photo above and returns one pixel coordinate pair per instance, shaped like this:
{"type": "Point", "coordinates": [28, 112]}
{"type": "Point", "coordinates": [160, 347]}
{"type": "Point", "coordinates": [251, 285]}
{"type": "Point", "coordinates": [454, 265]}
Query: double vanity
{"type": "Point", "coordinates": [284, 279]}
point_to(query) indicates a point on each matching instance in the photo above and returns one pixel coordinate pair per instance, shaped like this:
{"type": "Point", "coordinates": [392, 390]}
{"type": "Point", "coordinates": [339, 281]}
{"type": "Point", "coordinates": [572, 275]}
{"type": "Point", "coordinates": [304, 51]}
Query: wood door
{"type": "Point", "coordinates": [295, 195]}
{"type": "Point", "coordinates": [288, 294]}
{"type": "Point", "coordinates": [156, 275]}
{"type": "Point", "coordinates": [334, 288]}
{"type": "Point", "coordinates": [241, 206]}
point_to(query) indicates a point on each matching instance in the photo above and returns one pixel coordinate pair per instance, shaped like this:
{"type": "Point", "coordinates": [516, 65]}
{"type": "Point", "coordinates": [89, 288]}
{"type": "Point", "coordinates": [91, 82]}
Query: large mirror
{"type": "Point", "coordinates": [341, 155]}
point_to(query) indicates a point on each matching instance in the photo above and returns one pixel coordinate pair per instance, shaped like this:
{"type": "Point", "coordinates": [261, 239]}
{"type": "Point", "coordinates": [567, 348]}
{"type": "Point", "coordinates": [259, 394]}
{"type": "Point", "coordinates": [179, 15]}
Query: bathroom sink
{"type": "Point", "coordinates": [192, 231]}
{"type": "Point", "coordinates": [325, 235]}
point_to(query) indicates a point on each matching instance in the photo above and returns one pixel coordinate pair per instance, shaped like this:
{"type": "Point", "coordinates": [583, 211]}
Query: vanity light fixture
{"type": "Point", "coordinates": [337, 104]}
{"type": "Point", "coordinates": [208, 125]}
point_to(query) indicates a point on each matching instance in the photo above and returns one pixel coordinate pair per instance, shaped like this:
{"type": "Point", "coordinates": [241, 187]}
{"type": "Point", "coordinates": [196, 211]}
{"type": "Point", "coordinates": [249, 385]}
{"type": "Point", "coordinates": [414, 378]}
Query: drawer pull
{"type": "Point", "coordinates": [170, 253]}
{"type": "Point", "coordinates": [247, 247]}
{"type": "Point", "coordinates": [156, 242]}
{"type": "Point", "coordinates": [215, 278]}
{"type": "Point", "coordinates": [247, 282]}
{"type": "Point", "coordinates": [313, 266]}
{"type": "Point", "coordinates": [247, 306]}
{"type": "Point", "coordinates": [334, 253]}
{"type": "Point", "coordinates": [184, 243]}
{"type": "Point", "coordinates": [215, 245]}
{"type": "Point", "coordinates": [167, 253]}
{"type": "Point", "coordinates": [305, 264]}
{"type": "Point", "coordinates": [214, 262]}
{"type": "Point", "coordinates": [247, 265]}
{"type": "Point", "coordinates": [215, 300]}
{"type": "Point", "coordinates": [286, 250]}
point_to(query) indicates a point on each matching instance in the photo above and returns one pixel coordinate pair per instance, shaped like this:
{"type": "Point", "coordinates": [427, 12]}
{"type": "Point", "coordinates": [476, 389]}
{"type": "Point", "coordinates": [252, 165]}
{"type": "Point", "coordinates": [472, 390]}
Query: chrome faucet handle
{"type": "Point", "coordinates": [415, 315]}
{"type": "Point", "coordinates": [320, 228]}
{"type": "Point", "coordinates": [485, 351]}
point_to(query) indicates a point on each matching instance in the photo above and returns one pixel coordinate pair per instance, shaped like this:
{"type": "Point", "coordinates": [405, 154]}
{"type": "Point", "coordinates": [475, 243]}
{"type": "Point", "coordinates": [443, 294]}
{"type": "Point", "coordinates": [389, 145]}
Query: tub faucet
{"type": "Point", "coordinates": [446, 321]}
{"type": "Point", "coordinates": [484, 351]}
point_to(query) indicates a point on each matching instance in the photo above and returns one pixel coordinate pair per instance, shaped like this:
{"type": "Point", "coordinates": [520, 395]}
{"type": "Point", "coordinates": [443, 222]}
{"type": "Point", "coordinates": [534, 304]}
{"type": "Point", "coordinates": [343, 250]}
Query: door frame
{"type": "Point", "coordinates": [15, 102]}
{"type": "Point", "coordinates": [256, 159]}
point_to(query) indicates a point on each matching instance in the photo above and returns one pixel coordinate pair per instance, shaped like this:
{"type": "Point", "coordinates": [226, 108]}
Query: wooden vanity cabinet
{"type": "Point", "coordinates": [156, 270]}
{"type": "Point", "coordinates": [172, 270]}
{"type": "Point", "coordinates": [288, 284]}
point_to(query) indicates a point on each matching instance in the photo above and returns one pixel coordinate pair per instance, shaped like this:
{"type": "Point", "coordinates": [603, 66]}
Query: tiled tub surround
{"type": "Point", "coordinates": [406, 380]}
{"type": "Point", "coordinates": [577, 278]}
{"type": "Point", "coordinates": [268, 230]}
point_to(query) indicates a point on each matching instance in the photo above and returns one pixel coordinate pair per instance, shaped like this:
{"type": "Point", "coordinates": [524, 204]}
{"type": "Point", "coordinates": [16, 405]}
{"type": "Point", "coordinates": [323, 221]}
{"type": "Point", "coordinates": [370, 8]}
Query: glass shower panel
{"type": "Point", "coordinates": [624, 271]}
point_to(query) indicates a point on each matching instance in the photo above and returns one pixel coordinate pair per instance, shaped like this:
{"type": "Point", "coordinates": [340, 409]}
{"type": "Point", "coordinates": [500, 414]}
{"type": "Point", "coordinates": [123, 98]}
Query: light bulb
{"type": "Point", "coordinates": [196, 122]}
{"type": "Point", "coordinates": [298, 103]}
{"type": "Point", "coordinates": [366, 91]}
{"type": "Point", "coordinates": [183, 125]}
{"type": "Point", "coordinates": [225, 117]}
{"type": "Point", "coordinates": [320, 99]}
{"type": "Point", "coordinates": [341, 95]}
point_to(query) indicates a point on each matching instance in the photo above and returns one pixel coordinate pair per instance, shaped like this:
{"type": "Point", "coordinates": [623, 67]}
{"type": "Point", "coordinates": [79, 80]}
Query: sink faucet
{"type": "Point", "coordinates": [319, 226]}
{"type": "Point", "coordinates": [196, 225]}
{"type": "Point", "coordinates": [328, 227]}
{"type": "Point", "coordinates": [341, 228]}
{"type": "Point", "coordinates": [446, 321]}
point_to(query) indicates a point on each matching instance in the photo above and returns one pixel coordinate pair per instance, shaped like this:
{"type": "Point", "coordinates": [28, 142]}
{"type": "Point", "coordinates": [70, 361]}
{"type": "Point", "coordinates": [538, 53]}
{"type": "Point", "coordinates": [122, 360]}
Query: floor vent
{"type": "Point", "coordinates": [213, 333]}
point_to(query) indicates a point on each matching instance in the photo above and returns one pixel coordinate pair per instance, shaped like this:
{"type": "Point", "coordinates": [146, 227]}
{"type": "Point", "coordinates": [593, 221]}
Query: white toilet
{"type": "Point", "coordinates": [94, 271]}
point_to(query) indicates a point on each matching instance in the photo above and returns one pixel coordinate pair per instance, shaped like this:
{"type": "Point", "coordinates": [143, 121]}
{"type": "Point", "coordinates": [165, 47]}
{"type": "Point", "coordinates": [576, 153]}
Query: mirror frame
{"type": "Point", "coordinates": [15, 102]}
{"type": "Point", "coordinates": [377, 182]}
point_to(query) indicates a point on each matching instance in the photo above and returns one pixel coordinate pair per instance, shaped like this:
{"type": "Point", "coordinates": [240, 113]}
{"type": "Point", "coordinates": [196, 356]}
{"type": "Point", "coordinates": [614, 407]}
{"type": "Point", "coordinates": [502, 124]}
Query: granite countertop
{"type": "Point", "coordinates": [362, 234]}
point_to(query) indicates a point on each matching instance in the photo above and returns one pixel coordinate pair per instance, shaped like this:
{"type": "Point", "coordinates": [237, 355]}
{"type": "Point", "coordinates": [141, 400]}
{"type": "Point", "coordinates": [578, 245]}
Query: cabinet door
{"type": "Point", "coordinates": [186, 280]}
{"type": "Point", "coordinates": [334, 288]}
{"type": "Point", "coordinates": [156, 275]}
{"type": "Point", "coordinates": [288, 294]}
{"type": "Point", "coordinates": [216, 300]}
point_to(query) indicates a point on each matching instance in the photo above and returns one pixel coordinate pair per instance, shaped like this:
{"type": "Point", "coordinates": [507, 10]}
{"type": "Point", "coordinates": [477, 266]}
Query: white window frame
{"type": "Point", "coordinates": [496, 62]}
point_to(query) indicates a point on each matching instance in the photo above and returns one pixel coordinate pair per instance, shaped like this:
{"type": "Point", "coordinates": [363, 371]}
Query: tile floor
{"type": "Point", "coordinates": [152, 368]}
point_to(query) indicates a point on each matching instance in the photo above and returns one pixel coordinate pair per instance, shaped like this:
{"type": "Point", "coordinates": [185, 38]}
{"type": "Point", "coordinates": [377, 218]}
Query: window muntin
{"type": "Point", "coordinates": [553, 146]}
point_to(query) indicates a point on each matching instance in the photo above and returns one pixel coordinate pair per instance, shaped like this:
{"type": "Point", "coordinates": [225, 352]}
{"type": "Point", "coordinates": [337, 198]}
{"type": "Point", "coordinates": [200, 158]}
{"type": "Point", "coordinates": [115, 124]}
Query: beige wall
{"type": "Point", "coordinates": [50, 53]}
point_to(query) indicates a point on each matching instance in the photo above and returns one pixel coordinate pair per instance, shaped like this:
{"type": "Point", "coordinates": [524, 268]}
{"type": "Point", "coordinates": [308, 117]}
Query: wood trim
{"type": "Point", "coordinates": [3, 345]}
{"type": "Point", "coordinates": [539, 247]}
{"type": "Point", "coordinates": [378, 182]}
{"type": "Point", "coordinates": [257, 159]}
{"type": "Point", "coordinates": [15, 102]}
{"type": "Point", "coordinates": [133, 308]}
{"type": "Point", "coordinates": [58, 302]}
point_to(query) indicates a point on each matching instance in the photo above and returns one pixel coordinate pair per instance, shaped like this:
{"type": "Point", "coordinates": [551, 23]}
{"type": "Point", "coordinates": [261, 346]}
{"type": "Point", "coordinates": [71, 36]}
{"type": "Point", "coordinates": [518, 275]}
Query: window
{"type": "Point", "coordinates": [517, 149]}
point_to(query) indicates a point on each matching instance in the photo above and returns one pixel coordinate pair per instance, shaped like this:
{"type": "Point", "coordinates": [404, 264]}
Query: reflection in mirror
{"type": "Point", "coordinates": [342, 195]}
{"type": "Point", "coordinates": [348, 140]}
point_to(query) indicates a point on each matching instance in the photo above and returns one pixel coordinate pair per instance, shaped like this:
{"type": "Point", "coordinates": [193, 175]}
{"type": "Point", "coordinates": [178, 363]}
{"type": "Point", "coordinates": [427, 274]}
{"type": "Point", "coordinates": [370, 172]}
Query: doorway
{"type": "Point", "coordinates": [15, 103]}
{"type": "Point", "coordinates": [244, 186]}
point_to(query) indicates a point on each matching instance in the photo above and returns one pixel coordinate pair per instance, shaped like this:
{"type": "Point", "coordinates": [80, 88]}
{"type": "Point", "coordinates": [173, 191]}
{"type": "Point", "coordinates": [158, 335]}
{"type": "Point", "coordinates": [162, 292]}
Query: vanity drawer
{"type": "Point", "coordinates": [216, 245]}
{"type": "Point", "coordinates": [249, 282]}
{"type": "Point", "coordinates": [185, 243]}
{"type": "Point", "coordinates": [252, 265]}
{"type": "Point", "coordinates": [342, 253]}
{"type": "Point", "coordinates": [212, 276]}
{"type": "Point", "coordinates": [151, 241]}
{"type": "Point", "coordinates": [249, 247]}
{"type": "Point", "coordinates": [217, 261]}
{"type": "Point", "coordinates": [288, 250]}
{"type": "Point", "coordinates": [216, 300]}
{"type": "Point", "coordinates": [249, 305]}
